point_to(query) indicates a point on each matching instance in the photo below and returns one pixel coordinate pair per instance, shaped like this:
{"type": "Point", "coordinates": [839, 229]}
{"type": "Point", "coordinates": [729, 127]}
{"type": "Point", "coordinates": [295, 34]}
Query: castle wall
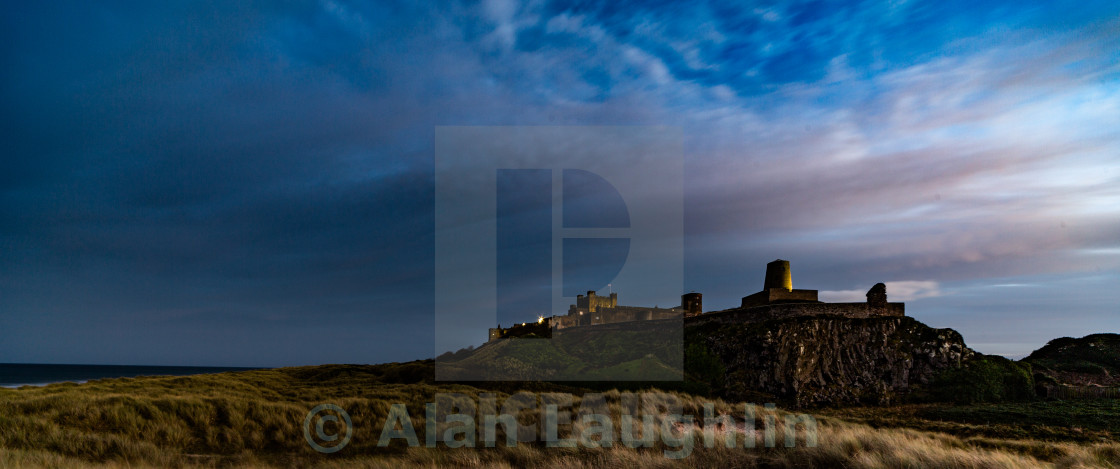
{"type": "Point", "coordinates": [791, 310]}
{"type": "Point", "coordinates": [771, 295]}
{"type": "Point", "coordinates": [541, 329]}
{"type": "Point", "coordinates": [777, 300]}
{"type": "Point", "coordinates": [571, 320]}
{"type": "Point", "coordinates": [605, 315]}
{"type": "Point", "coordinates": [629, 314]}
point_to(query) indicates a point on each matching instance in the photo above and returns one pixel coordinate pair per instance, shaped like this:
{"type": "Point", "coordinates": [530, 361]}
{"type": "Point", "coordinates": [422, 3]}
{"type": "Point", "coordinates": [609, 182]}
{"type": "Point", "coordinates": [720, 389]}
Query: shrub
{"type": "Point", "coordinates": [704, 367]}
{"type": "Point", "coordinates": [986, 378]}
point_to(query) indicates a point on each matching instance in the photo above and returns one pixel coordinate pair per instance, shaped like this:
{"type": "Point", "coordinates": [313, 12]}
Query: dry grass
{"type": "Point", "coordinates": [254, 419]}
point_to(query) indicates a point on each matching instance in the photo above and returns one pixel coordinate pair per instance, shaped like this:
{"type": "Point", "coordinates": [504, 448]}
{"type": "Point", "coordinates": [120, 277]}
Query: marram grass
{"type": "Point", "coordinates": [255, 419]}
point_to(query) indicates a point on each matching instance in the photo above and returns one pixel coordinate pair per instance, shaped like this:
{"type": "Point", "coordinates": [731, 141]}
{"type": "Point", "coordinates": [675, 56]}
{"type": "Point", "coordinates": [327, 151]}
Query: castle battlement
{"type": "Point", "coordinates": [777, 300]}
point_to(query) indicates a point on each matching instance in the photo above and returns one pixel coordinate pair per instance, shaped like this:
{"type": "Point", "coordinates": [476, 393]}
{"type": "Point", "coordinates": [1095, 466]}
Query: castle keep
{"type": "Point", "coordinates": [593, 309]}
{"type": "Point", "coordinates": [777, 300]}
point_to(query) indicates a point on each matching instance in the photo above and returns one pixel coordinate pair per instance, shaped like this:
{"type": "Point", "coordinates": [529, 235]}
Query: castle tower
{"type": "Point", "coordinates": [692, 303]}
{"type": "Point", "coordinates": [778, 276]}
{"type": "Point", "coordinates": [778, 288]}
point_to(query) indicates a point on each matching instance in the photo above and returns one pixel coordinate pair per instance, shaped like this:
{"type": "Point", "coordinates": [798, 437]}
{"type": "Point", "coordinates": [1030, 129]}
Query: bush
{"type": "Point", "coordinates": [702, 366]}
{"type": "Point", "coordinates": [986, 378]}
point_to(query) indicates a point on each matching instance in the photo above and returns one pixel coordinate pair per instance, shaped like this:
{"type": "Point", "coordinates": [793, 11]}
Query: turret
{"type": "Point", "coordinates": [778, 276]}
{"type": "Point", "coordinates": [692, 304]}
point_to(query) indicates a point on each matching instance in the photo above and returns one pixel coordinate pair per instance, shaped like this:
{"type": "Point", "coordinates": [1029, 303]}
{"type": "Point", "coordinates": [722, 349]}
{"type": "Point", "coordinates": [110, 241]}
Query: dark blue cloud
{"type": "Point", "coordinates": [210, 183]}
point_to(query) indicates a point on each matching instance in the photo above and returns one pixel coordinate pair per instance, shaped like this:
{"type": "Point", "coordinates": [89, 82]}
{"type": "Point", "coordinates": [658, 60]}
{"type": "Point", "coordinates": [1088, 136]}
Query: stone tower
{"type": "Point", "coordinates": [692, 303]}
{"type": "Point", "coordinates": [778, 276]}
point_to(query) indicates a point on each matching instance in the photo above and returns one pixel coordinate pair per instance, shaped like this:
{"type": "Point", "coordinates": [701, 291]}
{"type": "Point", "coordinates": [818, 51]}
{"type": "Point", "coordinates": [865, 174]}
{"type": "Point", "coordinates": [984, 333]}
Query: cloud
{"type": "Point", "coordinates": [250, 159]}
{"type": "Point", "coordinates": [898, 291]}
{"type": "Point", "coordinates": [982, 156]}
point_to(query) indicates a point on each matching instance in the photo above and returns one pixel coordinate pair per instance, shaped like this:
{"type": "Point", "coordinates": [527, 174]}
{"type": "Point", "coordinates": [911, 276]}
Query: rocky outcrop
{"type": "Point", "coordinates": [824, 360]}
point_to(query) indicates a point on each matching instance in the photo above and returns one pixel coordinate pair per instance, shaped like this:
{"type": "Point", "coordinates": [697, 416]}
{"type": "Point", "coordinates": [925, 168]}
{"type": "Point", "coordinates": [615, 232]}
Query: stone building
{"type": "Point", "coordinates": [777, 300]}
{"type": "Point", "coordinates": [778, 288]}
{"type": "Point", "coordinates": [594, 309]}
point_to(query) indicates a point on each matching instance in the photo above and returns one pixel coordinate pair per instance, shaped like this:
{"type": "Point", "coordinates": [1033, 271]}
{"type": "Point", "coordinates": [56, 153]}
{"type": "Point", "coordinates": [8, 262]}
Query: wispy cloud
{"type": "Point", "coordinates": [239, 159]}
{"type": "Point", "coordinates": [899, 291]}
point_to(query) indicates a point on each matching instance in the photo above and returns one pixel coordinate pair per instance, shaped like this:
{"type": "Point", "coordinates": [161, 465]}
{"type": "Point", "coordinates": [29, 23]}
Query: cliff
{"type": "Point", "coordinates": [802, 361]}
{"type": "Point", "coordinates": [823, 360]}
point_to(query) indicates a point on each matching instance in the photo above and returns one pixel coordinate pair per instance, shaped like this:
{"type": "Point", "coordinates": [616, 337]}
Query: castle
{"type": "Point", "coordinates": [777, 300]}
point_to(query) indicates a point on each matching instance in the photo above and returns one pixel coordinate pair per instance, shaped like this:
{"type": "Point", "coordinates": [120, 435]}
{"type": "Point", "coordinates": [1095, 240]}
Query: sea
{"type": "Point", "coordinates": [14, 375]}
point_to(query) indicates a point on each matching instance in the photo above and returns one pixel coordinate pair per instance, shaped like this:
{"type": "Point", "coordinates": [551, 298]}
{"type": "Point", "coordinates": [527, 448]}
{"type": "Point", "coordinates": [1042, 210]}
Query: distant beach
{"type": "Point", "coordinates": [14, 375]}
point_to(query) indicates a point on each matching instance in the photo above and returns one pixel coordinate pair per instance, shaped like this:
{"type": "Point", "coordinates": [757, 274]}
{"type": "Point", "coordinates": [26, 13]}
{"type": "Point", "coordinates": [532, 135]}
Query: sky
{"type": "Point", "coordinates": [251, 183]}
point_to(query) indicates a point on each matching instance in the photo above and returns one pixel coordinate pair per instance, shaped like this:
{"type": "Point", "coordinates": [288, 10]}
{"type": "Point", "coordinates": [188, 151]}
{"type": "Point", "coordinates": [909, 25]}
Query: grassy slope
{"type": "Point", "coordinates": [255, 418]}
{"type": "Point", "coordinates": [1090, 360]}
{"type": "Point", "coordinates": [579, 353]}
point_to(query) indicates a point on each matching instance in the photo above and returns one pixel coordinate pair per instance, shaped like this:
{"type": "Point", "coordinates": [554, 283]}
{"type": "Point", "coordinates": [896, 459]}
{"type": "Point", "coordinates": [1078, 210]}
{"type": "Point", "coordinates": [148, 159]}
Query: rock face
{"type": "Point", "coordinates": [823, 360]}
